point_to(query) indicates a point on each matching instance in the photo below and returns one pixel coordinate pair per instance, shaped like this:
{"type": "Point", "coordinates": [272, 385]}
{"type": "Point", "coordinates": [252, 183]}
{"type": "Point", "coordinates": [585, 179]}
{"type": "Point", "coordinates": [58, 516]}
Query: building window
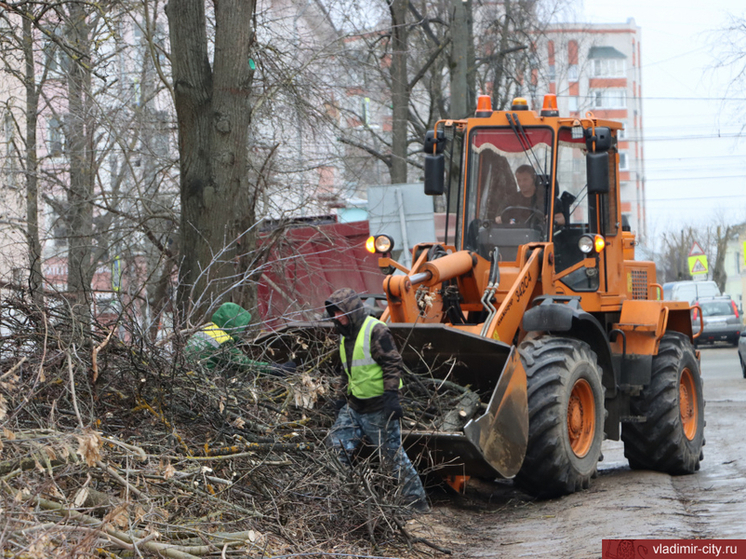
{"type": "Point", "coordinates": [9, 134]}
{"type": "Point", "coordinates": [608, 67]}
{"type": "Point", "coordinates": [622, 134]}
{"type": "Point", "coordinates": [136, 92]}
{"type": "Point", "coordinates": [572, 61]}
{"type": "Point", "coordinates": [366, 111]}
{"type": "Point", "coordinates": [9, 166]}
{"type": "Point", "coordinates": [162, 138]}
{"type": "Point", "coordinates": [623, 161]}
{"type": "Point", "coordinates": [56, 58]}
{"type": "Point", "coordinates": [573, 104]}
{"type": "Point", "coordinates": [59, 230]}
{"type": "Point", "coordinates": [55, 137]}
{"type": "Point", "coordinates": [609, 98]}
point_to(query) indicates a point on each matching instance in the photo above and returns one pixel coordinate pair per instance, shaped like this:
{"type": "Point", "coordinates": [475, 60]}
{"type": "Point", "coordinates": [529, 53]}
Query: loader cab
{"type": "Point", "coordinates": [525, 177]}
{"type": "Point", "coordinates": [511, 200]}
{"type": "Point", "coordinates": [509, 192]}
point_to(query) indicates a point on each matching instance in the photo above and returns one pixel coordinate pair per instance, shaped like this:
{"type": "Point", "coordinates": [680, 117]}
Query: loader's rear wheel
{"type": "Point", "coordinates": [671, 439]}
{"type": "Point", "coordinates": [565, 416]}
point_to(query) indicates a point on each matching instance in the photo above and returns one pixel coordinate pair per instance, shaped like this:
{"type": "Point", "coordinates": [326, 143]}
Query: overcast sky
{"type": "Point", "coordinates": [695, 143]}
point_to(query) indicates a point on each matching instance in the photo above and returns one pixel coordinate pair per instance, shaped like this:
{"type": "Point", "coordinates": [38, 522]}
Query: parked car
{"type": "Point", "coordinates": [690, 290]}
{"type": "Point", "coordinates": [742, 352]}
{"type": "Point", "coordinates": [721, 320]}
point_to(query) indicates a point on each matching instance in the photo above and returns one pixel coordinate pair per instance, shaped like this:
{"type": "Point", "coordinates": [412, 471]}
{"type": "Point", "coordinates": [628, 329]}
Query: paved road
{"type": "Point", "coordinates": [494, 520]}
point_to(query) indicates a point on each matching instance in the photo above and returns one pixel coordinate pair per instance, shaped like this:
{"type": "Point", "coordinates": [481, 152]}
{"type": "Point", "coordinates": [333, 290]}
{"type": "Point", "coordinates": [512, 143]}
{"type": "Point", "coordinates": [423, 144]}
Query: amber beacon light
{"type": "Point", "coordinates": [549, 107]}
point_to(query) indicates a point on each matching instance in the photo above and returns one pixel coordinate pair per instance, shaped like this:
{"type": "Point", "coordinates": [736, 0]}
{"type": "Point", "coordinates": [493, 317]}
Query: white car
{"type": "Point", "coordinates": [721, 320]}
{"type": "Point", "coordinates": [742, 352]}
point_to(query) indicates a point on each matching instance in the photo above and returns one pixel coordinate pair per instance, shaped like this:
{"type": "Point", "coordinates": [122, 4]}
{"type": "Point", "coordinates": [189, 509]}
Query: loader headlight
{"type": "Point", "coordinates": [379, 243]}
{"type": "Point", "coordinates": [590, 243]}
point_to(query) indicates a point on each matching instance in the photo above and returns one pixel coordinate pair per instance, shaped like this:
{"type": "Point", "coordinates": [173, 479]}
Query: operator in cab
{"type": "Point", "coordinates": [529, 202]}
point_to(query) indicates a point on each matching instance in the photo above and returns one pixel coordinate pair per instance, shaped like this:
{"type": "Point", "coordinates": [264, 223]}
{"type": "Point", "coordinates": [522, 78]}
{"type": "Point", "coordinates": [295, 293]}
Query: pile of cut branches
{"type": "Point", "coordinates": [118, 448]}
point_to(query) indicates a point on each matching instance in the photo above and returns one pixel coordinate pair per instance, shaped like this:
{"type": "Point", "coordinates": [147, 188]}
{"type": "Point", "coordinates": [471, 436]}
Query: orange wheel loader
{"type": "Point", "coordinates": [538, 303]}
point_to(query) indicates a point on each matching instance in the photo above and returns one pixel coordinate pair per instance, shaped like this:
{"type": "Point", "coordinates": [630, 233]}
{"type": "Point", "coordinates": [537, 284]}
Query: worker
{"type": "Point", "coordinates": [213, 346]}
{"type": "Point", "coordinates": [371, 380]}
{"type": "Point", "coordinates": [528, 197]}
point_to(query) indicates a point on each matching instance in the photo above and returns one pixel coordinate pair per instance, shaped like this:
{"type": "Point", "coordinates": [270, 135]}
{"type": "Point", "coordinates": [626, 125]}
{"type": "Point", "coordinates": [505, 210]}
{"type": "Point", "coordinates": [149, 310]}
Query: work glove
{"type": "Point", "coordinates": [337, 404]}
{"type": "Point", "coordinates": [282, 369]}
{"type": "Point", "coordinates": [391, 406]}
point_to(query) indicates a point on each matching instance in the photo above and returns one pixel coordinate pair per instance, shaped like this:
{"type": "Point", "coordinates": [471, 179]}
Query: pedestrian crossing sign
{"type": "Point", "coordinates": [698, 264]}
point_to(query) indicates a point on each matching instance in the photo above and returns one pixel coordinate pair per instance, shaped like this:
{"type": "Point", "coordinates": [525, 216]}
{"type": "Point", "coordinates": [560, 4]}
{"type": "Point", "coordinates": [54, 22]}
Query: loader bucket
{"type": "Point", "coordinates": [466, 358]}
{"type": "Point", "coordinates": [491, 444]}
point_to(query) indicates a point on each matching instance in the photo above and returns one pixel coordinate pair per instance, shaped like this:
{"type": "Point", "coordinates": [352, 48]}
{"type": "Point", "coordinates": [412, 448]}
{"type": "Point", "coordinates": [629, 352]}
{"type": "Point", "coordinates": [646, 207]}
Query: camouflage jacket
{"type": "Point", "coordinates": [382, 348]}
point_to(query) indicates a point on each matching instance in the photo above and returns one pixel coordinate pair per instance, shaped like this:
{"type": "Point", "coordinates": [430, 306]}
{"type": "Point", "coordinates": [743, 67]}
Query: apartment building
{"type": "Point", "coordinates": [13, 253]}
{"type": "Point", "coordinates": [597, 68]}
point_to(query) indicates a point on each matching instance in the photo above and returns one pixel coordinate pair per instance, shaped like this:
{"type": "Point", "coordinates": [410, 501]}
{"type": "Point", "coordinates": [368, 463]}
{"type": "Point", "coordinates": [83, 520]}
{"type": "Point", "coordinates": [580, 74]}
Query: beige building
{"type": "Point", "coordinates": [735, 266]}
{"type": "Point", "coordinates": [13, 262]}
{"type": "Point", "coordinates": [596, 67]}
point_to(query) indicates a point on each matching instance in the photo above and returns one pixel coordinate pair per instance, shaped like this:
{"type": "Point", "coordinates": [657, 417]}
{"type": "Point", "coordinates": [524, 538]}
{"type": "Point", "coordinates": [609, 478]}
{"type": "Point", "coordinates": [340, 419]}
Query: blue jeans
{"type": "Point", "coordinates": [348, 432]}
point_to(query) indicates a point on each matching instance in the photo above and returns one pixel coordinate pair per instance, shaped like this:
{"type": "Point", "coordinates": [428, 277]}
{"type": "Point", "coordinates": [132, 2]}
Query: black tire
{"type": "Point", "coordinates": [666, 442]}
{"type": "Point", "coordinates": [564, 381]}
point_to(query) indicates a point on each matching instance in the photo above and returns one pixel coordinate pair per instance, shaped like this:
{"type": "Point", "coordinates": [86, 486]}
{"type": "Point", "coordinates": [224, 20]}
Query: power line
{"type": "Point", "coordinates": [714, 136]}
{"type": "Point", "coordinates": [647, 98]}
{"type": "Point", "coordinates": [680, 198]}
{"type": "Point", "coordinates": [688, 178]}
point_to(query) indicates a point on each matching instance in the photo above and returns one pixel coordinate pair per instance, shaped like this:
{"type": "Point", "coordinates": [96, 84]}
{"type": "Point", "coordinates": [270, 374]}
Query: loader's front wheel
{"type": "Point", "coordinates": [565, 416]}
{"type": "Point", "coordinates": [671, 438]}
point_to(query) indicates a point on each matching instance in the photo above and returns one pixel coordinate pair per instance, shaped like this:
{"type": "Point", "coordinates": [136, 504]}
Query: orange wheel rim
{"type": "Point", "coordinates": [688, 405]}
{"type": "Point", "coordinates": [581, 418]}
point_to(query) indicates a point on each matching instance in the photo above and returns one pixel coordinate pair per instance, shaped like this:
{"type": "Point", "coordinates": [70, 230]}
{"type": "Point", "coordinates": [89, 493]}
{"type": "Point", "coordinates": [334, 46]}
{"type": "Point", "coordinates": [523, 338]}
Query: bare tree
{"type": "Point", "coordinates": [27, 150]}
{"type": "Point", "coordinates": [673, 261]}
{"type": "Point", "coordinates": [723, 234]}
{"type": "Point", "coordinates": [213, 105]}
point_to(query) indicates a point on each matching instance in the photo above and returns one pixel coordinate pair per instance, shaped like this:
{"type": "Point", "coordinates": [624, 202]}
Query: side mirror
{"type": "Point", "coordinates": [435, 164]}
{"type": "Point", "coordinates": [597, 172]}
{"type": "Point", "coordinates": [435, 169]}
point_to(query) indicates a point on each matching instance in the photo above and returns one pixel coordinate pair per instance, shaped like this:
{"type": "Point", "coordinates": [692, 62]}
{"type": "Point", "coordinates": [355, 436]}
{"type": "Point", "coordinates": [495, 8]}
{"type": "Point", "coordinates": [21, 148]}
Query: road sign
{"type": "Point", "coordinates": [697, 264]}
{"type": "Point", "coordinates": [696, 250]}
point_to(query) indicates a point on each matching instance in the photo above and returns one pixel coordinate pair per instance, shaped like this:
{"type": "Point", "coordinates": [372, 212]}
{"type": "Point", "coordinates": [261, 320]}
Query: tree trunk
{"type": "Point", "coordinates": [718, 270]}
{"type": "Point", "coordinates": [79, 139]}
{"type": "Point", "coordinates": [399, 90]}
{"type": "Point", "coordinates": [500, 95]}
{"type": "Point", "coordinates": [463, 76]}
{"type": "Point", "coordinates": [36, 280]}
{"type": "Point", "coordinates": [213, 107]}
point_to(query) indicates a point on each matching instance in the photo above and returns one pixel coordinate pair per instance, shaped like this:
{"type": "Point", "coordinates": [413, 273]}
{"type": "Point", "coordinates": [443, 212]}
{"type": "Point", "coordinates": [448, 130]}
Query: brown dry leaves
{"type": "Point", "coordinates": [307, 392]}
{"type": "Point", "coordinates": [89, 447]}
